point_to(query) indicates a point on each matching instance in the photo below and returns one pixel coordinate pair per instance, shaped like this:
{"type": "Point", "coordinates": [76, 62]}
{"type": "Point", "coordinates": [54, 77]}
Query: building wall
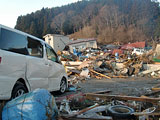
{"type": "Point", "coordinates": [57, 42]}
{"type": "Point", "coordinates": [83, 45]}
{"type": "Point", "coordinates": [92, 44]}
{"type": "Point", "coordinates": [60, 42]}
{"type": "Point", "coordinates": [49, 40]}
{"type": "Point", "coordinates": [78, 46]}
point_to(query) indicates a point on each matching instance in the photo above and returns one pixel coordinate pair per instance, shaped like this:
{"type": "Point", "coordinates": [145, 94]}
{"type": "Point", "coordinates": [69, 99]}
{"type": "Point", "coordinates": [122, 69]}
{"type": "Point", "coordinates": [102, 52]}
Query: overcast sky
{"type": "Point", "coordinates": [11, 9]}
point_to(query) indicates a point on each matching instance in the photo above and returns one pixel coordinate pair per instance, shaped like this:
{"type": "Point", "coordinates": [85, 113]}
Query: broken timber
{"type": "Point", "coordinates": [119, 97]}
{"type": "Point", "coordinates": [100, 74]}
{"type": "Point", "coordinates": [141, 113]}
{"type": "Point", "coordinates": [156, 89]}
{"type": "Point", "coordinates": [71, 63]}
{"type": "Point", "coordinates": [102, 92]}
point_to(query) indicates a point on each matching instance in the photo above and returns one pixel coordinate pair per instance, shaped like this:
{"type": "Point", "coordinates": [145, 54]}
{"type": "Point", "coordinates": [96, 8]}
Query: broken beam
{"type": "Point", "coordinates": [101, 74]}
{"type": "Point", "coordinates": [147, 114]}
{"type": "Point", "coordinates": [102, 92]}
{"type": "Point", "coordinates": [156, 89]}
{"type": "Point", "coordinates": [119, 97]}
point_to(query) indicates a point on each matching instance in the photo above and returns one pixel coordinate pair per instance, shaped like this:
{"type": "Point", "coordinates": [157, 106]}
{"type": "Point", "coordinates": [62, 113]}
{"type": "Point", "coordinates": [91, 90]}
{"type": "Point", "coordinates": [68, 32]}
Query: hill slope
{"type": "Point", "coordinates": [108, 20]}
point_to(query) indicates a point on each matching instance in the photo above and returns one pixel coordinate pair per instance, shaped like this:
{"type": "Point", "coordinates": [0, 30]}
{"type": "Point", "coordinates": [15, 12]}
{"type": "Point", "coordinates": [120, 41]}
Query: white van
{"type": "Point", "coordinates": [27, 63]}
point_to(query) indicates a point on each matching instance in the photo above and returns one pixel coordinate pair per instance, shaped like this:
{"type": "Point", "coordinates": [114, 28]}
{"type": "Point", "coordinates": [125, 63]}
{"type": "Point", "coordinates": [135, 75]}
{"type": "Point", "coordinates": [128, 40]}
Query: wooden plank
{"type": "Point", "coordinates": [102, 92]}
{"type": "Point", "coordinates": [148, 114]}
{"type": "Point", "coordinates": [84, 64]}
{"type": "Point", "coordinates": [71, 63]}
{"type": "Point", "coordinates": [97, 77]}
{"type": "Point", "coordinates": [119, 97]}
{"type": "Point", "coordinates": [101, 74]}
{"type": "Point", "coordinates": [156, 89]}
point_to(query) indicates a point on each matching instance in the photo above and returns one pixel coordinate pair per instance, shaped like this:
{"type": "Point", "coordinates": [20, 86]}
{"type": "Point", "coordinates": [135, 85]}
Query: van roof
{"type": "Point", "coordinates": [20, 32]}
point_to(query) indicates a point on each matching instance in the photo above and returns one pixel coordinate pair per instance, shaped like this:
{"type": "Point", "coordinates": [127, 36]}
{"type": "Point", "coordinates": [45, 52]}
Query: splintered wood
{"type": "Point", "coordinates": [101, 74]}
{"type": "Point", "coordinates": [120, 97]}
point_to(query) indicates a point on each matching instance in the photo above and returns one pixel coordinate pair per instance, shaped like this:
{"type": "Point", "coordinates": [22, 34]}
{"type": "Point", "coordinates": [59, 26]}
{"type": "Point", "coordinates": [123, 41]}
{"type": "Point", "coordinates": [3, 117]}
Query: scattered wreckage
{"type": "Point", "coordinates": [40, 104]}
{"type": "Point", "coordinates": [98, 64]}
{"type": "Point", "coordinates": [115, 64]}
{"type": "Point", "coordinates": [102, 105]}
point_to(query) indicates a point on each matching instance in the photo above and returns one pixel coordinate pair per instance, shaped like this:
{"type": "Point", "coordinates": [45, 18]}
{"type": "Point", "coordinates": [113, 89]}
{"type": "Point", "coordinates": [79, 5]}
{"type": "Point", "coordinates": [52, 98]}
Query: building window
{"type": "Point", "coordinates": [49, 41]}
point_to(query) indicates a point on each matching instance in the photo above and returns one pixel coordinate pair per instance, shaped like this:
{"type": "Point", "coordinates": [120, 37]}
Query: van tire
{"type": "Point", "coordinates": [63, 86]}
{"type": "Point", "coordinates": [18, 90]}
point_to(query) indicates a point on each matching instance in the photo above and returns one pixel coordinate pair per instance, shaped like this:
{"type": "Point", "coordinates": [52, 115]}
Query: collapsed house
{"type": "Point", "coordinates": [81, 44]}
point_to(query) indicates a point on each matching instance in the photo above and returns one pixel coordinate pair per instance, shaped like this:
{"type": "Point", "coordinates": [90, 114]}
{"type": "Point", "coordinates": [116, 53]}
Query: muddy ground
{"type": "Point", "coordinates": [127, 86]}
{"type": "Point", "coordinates": [132, 86]}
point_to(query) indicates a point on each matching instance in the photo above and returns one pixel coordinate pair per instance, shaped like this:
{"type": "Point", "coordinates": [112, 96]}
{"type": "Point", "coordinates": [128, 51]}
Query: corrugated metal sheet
{"type": "Point", "coordinates": [119, 51]}
{"type": "Point", "coordinates": [134, 45]}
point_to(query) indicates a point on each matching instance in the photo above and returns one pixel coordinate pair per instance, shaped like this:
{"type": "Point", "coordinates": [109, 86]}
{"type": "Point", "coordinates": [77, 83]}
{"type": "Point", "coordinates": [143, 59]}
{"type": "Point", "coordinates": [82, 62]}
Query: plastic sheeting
{"type": "Point", "coordinates": [36, 105]}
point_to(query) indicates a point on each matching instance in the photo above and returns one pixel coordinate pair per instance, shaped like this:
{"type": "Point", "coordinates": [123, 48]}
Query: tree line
{"type": "Point", "coordinates": [107, 20]}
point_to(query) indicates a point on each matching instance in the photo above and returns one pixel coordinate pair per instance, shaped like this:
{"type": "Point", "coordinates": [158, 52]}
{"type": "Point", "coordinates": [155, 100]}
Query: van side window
{"type": "Point", "coordinates": [35, 48]}
{"type": "Point", "coordinates": [51, 55]}
{"type": "Point", "coordinates": [12, 41]}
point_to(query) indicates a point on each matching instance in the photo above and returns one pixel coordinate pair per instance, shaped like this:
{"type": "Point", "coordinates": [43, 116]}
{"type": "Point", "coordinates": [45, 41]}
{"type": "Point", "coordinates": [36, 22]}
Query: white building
{"type": "Point", "coordinates": [57, 42]}
{"type": "Point", "coordinates": [81, 44]}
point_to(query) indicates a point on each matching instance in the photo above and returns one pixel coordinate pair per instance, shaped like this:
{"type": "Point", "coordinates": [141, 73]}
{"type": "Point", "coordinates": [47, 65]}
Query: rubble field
{"type": "Point", "coordinates": [105, 84]}
{"type": "Point", "coordinates": [141, 87]}
{"type": "Point", "coordinates": [111, 84]}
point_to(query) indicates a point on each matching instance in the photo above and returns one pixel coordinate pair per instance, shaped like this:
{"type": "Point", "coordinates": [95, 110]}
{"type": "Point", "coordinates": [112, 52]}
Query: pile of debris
{"type": "Point", "coordinates": [100, 105]}
{"type": "Point", "coordinates": [98, 63]}
{"type": "Point", "coordinates": [95, 63]}
{"type": "Point", "coordinates": [103, 106]}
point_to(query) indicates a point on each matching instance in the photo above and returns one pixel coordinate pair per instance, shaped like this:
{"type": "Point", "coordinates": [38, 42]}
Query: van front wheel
{"type": "Point", "coordinates": [18, 90]}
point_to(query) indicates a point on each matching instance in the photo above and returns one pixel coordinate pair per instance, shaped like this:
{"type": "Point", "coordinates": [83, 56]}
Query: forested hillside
{"type": "Point", "coordinates": [108, 20]}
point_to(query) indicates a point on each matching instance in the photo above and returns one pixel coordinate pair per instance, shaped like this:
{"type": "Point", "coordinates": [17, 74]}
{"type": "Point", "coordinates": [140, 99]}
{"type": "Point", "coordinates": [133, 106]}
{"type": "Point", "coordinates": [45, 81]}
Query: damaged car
{"type": "Point", "coordinates": [27, 63]}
